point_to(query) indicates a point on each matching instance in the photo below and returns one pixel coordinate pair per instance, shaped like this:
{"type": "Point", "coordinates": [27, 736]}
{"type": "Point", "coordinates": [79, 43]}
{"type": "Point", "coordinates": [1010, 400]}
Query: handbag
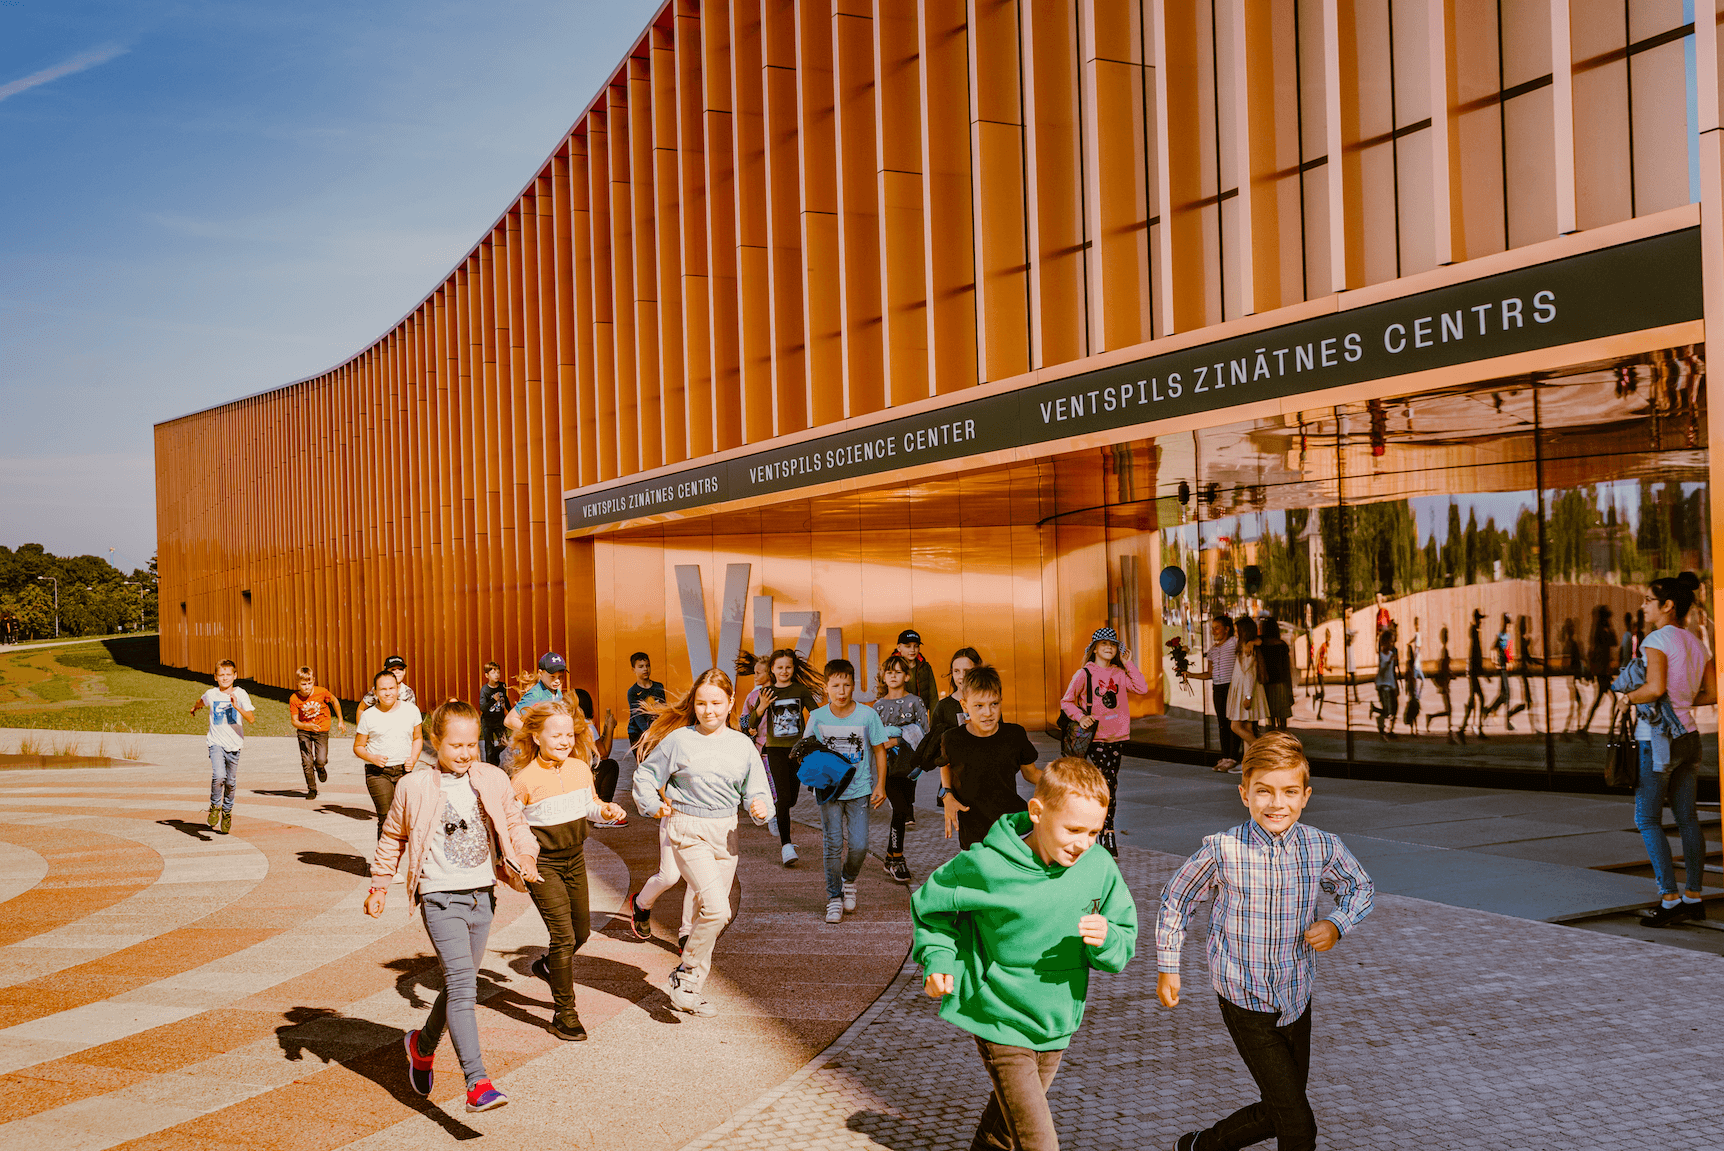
{"type": "Point", "coordinates": [1622, 753]}
{"type": "Point", "coordinates": [1075, 738]}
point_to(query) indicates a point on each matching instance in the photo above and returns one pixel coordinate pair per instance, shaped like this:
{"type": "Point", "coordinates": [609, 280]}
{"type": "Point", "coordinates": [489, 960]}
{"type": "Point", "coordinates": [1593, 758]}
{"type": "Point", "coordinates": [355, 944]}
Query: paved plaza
{"type": "Point", "coordinates": [165, 987]}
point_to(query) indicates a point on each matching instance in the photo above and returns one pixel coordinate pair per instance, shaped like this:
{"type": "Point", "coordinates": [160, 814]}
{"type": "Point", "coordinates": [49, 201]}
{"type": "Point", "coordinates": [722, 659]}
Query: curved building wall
{"type": "Point", "coordinates": [777, 222]}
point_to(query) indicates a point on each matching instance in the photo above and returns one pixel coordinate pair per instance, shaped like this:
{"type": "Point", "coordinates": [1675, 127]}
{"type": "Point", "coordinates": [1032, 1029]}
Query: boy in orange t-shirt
{"type": "Point", "coordinates": [310, 710]}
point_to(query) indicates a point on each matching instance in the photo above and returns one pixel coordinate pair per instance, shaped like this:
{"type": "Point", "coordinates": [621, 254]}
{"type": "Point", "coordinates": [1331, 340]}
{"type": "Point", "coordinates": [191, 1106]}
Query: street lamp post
{"type": "Point", "coordinates": [141, 594]}
{"type": "Point", "coordinates": [56, 583]}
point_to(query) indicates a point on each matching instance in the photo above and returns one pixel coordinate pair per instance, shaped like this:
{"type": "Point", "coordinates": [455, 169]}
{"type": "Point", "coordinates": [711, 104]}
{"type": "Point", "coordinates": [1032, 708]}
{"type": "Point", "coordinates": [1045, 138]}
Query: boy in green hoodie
{"type": "Point", "coordinates": [1007, 932]}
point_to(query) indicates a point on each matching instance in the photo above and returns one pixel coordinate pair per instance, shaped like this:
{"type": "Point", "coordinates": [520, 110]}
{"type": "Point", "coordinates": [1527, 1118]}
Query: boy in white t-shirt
{"type": "Point", "coordinates": [230, 708]}
{"type": "Point", "coordinates": [387, 739]}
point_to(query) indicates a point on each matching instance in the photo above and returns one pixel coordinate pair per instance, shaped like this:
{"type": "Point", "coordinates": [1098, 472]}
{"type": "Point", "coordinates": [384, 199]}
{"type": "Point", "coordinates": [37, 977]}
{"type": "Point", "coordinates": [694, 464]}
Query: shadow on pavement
{"type": "Point", "coordinates": [624, 980]}
{"type": "Point", "coordinates": [336, 861]}
{"type": "Point", "coordinates": [284, 793]}
{"type": "Point", "coordinates": [363, 813]}
{"type": "Point", "coordinates": [888, 1130]}
{"type": "Point", "coordinates": [366, 1048]}
{"type": "Point", "coordinates": [198, 831]}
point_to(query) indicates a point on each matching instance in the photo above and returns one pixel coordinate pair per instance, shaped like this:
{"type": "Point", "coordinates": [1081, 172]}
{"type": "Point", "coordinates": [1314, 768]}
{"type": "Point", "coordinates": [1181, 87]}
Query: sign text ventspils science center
{"type": "Point", "coordinates": [1644, 284]}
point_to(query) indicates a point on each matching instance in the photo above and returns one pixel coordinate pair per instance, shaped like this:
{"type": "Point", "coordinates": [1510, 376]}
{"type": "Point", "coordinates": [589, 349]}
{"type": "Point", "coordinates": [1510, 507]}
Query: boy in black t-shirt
{"type": "Point", "coordinates": [978, 781]}
{"type": "Point", "coordinates": [493, 706]}
{"type": "Point", "coordinates": [644, 687]}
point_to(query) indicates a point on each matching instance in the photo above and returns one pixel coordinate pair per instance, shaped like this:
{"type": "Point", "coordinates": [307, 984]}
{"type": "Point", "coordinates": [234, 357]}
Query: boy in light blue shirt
{"type": "Point", "coordinates": [854, 732]}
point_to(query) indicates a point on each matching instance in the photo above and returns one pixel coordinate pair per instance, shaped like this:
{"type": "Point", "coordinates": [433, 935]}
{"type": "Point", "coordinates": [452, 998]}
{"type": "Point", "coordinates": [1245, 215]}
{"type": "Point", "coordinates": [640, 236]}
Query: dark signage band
{"type": "Point", "coordinates": [1644, 284]}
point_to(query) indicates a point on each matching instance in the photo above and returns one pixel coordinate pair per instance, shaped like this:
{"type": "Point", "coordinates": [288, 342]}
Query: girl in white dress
{"type": "Point", "coordinates": [1246, 704]}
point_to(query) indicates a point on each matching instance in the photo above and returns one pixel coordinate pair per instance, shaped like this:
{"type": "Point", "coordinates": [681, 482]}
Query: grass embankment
{"type": "Point", "coordinates": [115, 685]}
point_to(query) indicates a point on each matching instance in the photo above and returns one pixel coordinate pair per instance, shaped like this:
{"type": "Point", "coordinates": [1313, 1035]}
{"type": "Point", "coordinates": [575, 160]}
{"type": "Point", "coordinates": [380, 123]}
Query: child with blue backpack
{"type": "Point", "coordinates": [852, 733]}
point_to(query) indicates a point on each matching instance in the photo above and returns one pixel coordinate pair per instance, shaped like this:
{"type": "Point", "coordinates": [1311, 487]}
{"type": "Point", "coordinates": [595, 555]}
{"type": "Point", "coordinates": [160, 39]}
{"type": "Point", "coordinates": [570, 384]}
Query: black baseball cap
{"type": "Point", "coordinates": [551, 661]}
{"type": "Point", "coordinates": [909, 635]}
{"type": "Point", "coordinates": [394, 662]}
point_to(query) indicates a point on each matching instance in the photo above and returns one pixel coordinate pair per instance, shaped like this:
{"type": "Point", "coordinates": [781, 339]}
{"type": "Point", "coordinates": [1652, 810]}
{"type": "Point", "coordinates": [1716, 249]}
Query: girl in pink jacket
{"type": "Point", "coordinates": [1097, 697]}
{"type": "Point", "coordinates": [456, 828]}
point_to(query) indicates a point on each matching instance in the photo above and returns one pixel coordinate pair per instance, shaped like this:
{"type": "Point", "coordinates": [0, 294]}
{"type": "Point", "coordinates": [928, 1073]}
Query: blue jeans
{"type": "Point", "coordinates": [835, 818]}
{"type": "Point", "coordinates": [224, 776]}
{"type": "Point", "coordinates": [1676, 786]}
{"type": "Point", "coordinates": [459, 923]}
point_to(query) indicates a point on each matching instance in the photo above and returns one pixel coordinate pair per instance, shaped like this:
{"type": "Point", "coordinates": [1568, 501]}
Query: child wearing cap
{"type": "Point", "coordinates": [922, 683]}
{"type": "Point", "coordinates": [397, 667]}
{"type": "Point", "coordinates": [549, 687]}
{"type": "Point", "coordinates": [1096, 697]}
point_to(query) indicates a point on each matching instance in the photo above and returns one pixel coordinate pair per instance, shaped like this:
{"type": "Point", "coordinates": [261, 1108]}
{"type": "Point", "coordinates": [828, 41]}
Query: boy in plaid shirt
{"type": "Point", "coordinates": [1264, 936]}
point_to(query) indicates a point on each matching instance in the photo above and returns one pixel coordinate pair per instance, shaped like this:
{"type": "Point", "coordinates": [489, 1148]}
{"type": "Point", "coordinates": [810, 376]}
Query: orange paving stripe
{"type": "Point", "coordinates": [87, 872]}
{"type": "Point", "coordinates": [175, 1046]}
{"type": "Point", "coordinates": [285, 897]}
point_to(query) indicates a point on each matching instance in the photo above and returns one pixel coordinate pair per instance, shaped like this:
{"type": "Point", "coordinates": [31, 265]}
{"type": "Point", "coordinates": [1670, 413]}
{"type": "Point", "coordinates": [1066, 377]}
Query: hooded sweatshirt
{"type": "Point", "coordinates": [1005, 926]}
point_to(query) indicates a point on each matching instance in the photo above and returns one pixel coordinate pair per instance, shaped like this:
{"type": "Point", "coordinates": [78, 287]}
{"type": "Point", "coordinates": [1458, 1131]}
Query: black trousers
{"type": "Point", "coordinates": [605, 780]}
{"type": "Point", "coordinates": [1230, 748]}
{"type": "Point", "coordinates": [901, 794]}
{"type": "Point", "coordinates": [1279, 1060]}
{"type": "Point", "coordinates": [563, 903]}
{"type": "Point", "coordinates": [491, 745]}
{"type": "Point", "coordinates": [380, 782]}
{"type": "Point", "coordinates": [1105, 756]}
{"type": "Point", "coordinates": [787, 786]}
{"type": "Point", "coordinates": [313, 755]}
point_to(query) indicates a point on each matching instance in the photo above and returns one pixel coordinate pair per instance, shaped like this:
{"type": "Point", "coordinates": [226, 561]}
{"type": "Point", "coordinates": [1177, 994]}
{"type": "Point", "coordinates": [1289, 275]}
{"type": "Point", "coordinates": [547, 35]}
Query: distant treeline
{"type": "Point", "coordinates": [96, 598]}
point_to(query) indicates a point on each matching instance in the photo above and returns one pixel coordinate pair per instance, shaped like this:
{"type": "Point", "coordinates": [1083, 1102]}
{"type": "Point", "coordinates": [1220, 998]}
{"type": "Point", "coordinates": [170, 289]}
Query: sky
{"type": "Point", "coordinates": [201, 200]}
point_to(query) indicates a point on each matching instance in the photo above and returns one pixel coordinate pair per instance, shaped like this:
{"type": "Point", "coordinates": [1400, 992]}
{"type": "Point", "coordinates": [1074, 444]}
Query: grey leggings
{"type": "Point", "coordinates": [459, 923]}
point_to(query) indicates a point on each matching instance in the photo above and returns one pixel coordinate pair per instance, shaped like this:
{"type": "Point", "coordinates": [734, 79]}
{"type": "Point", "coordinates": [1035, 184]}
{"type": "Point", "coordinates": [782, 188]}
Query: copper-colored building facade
{"type": "Point", "coordinates": [779, 223]}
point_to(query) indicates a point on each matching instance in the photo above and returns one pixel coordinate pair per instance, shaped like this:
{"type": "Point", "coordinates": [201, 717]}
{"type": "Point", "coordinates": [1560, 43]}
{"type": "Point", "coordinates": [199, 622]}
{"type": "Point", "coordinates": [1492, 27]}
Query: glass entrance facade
{"type": "Point", "coordinates": [1457, 575]}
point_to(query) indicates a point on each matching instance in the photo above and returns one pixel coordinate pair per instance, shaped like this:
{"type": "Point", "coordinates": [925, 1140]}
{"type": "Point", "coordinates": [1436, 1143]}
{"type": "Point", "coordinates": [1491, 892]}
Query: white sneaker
{"type": "Point", "coordinates": [788, 855]}
{"type": "Point", "coordinates": [835, 911]}
{"type": "Point", "coordinates": [772, 826]}
{"type": "Point", "coordinates": [849, 897]}
{"type": "Point", "coordinates": [683, 999]}
{"type": "Point", "coordinates": [400, 876]}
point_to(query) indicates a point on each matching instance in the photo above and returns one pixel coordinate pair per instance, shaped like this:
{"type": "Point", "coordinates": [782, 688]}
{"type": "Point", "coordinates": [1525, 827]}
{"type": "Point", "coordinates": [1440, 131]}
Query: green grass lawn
{"type": "Point", "coordinates": [117, 684]}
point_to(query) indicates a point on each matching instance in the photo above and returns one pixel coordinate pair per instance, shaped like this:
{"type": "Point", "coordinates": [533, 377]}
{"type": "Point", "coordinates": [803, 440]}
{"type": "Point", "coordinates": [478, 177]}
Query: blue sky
{"type": "Point", "coordinates": [203, 200]}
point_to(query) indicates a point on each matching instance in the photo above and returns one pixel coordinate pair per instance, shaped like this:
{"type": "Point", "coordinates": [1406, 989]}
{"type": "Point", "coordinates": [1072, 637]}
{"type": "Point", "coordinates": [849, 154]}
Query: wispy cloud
{"type": "Point", "coordinates": [78, 63]}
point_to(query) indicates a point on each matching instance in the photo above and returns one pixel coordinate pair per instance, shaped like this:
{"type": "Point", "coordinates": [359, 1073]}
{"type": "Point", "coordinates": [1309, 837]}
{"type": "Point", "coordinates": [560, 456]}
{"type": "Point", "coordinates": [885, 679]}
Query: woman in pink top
{"type": "Point", "coordinates": [1096, 698]}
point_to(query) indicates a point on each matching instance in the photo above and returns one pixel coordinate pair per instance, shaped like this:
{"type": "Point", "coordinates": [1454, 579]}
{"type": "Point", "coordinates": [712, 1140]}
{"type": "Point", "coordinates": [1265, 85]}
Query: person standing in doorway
{"type": "Point", "coordinates": [387, 739]}
{"type": "Point", "coordinates": [311, 709]}
{"type": "Point", "coordinates": [1097, 697]}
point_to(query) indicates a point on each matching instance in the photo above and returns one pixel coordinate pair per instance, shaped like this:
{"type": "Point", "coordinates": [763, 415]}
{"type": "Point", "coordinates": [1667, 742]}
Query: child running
{"type": "Point", "coordinates": [310, 709]}
{"type": "Point", "coordinates": [446, 825]}
{"type": "Point", "coordinates": [554, 782]}
{"type": "Point", "coordinates": [1264, 936]}
{"type": "Point", "coordinates": [229, 706]}
{"type": "Point", "coordinates": [898, 708]}
{"type": "Point", "coordinates": [1097, 697]}
{"type": "Point", "coordinates": [695, 769]}
{"type": "Point", "coordinates": [780, 711]}
{"type": "Point", "coordinates": [1007, 933]}
{"type": "Point", "coordinates": [982, 759]}
{"type": "Point", "coordinates": [644, 687]}
{"type": "Point", "coordinates": [853, 732]}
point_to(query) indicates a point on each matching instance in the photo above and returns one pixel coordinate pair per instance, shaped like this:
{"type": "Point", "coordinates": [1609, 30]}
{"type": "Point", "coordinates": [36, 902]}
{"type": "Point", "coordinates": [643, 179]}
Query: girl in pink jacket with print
{"type": "Point", "coordinates": [1096, 697]}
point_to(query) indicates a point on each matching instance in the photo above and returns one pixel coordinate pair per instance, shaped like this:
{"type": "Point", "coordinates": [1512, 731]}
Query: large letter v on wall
{"type": "Point", "coordinates": [734, 608]}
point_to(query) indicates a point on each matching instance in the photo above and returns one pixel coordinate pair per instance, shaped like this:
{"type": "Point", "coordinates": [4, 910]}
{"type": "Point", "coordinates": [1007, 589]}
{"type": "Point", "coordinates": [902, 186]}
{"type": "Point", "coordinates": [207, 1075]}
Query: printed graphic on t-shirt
{"type": "Point", "coordinates": [223, 711]}
{"type": "Point", "coordinates": [464, 839]}
{"type": "Point", "coordinates": [784, 717]}
{"type": "Point", "coordinates": [849, 743]}
{"type": "Point", "coordinates": [308, 709]}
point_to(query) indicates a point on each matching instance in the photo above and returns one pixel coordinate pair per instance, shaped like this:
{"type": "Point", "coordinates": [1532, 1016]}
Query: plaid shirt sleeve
{"type": "Point", "coordinates": [1353, 890]}
{"type": "Point", "coordinates": [1178, 899]}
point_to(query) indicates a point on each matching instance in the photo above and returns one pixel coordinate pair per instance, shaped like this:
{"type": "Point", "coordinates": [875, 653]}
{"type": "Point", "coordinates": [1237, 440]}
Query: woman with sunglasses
{"type": "Point", "coordinates": [459, 829]}
{"type": "Point", "coordinates": [555, 751]}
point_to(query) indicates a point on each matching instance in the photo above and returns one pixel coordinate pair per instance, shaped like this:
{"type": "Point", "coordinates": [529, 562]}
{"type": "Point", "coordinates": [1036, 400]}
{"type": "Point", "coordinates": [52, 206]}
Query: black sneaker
{"type": "Point", "coordinates": [897, 869]}
{"type": "Point", "coordinates": [1187, 1141]}
{"type": "Point", "coordinates": [681, 943]}
{"type": "Point", "coordinates": [640, 919]}
{"type": "Point", "coordinates": [569, 1029]}
{"type": "Point", "coordinates": [1693, 911]}
{"type": "Point", "coordinates": [322, 776]}
{"type": "Point", "coordinates": [419, 1067]}
{"type": "Point", "coordinates": [1662, 916]}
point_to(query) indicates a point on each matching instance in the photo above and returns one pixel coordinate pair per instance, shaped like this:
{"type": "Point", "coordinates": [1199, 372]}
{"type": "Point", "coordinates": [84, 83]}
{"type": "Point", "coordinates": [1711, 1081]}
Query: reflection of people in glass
{"type": "Point", "coordinates": [1350, 692]}
{"type": "Point", "coordinates": [1598, 653]}
{"type": "Point", "coordinates": [1414, 678]}
{"type": "Point", "coordinates": [1475, 677]}
{"type": "Point", "coordinates": [1570, 667]}
{"type": "Point", "coordinates": [1441, 677]}
{"type": "Point", "coordinates": [1680, 676]}
{"type": "Point", "coordinates": [1631, 637]}
{"type": "Point", "coordinates": [1502, 651]}
{"type": "Point", "coordinates": [1523, 651]}
{"type": "Point", "coordinates": [1320, 672]}
{"type": "Point", "coordinates": [1388, 688]}
{"type": "Point", "coordinates": [1245, 703]}
{"type": "Point", "coordinates": [1276, 660]}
